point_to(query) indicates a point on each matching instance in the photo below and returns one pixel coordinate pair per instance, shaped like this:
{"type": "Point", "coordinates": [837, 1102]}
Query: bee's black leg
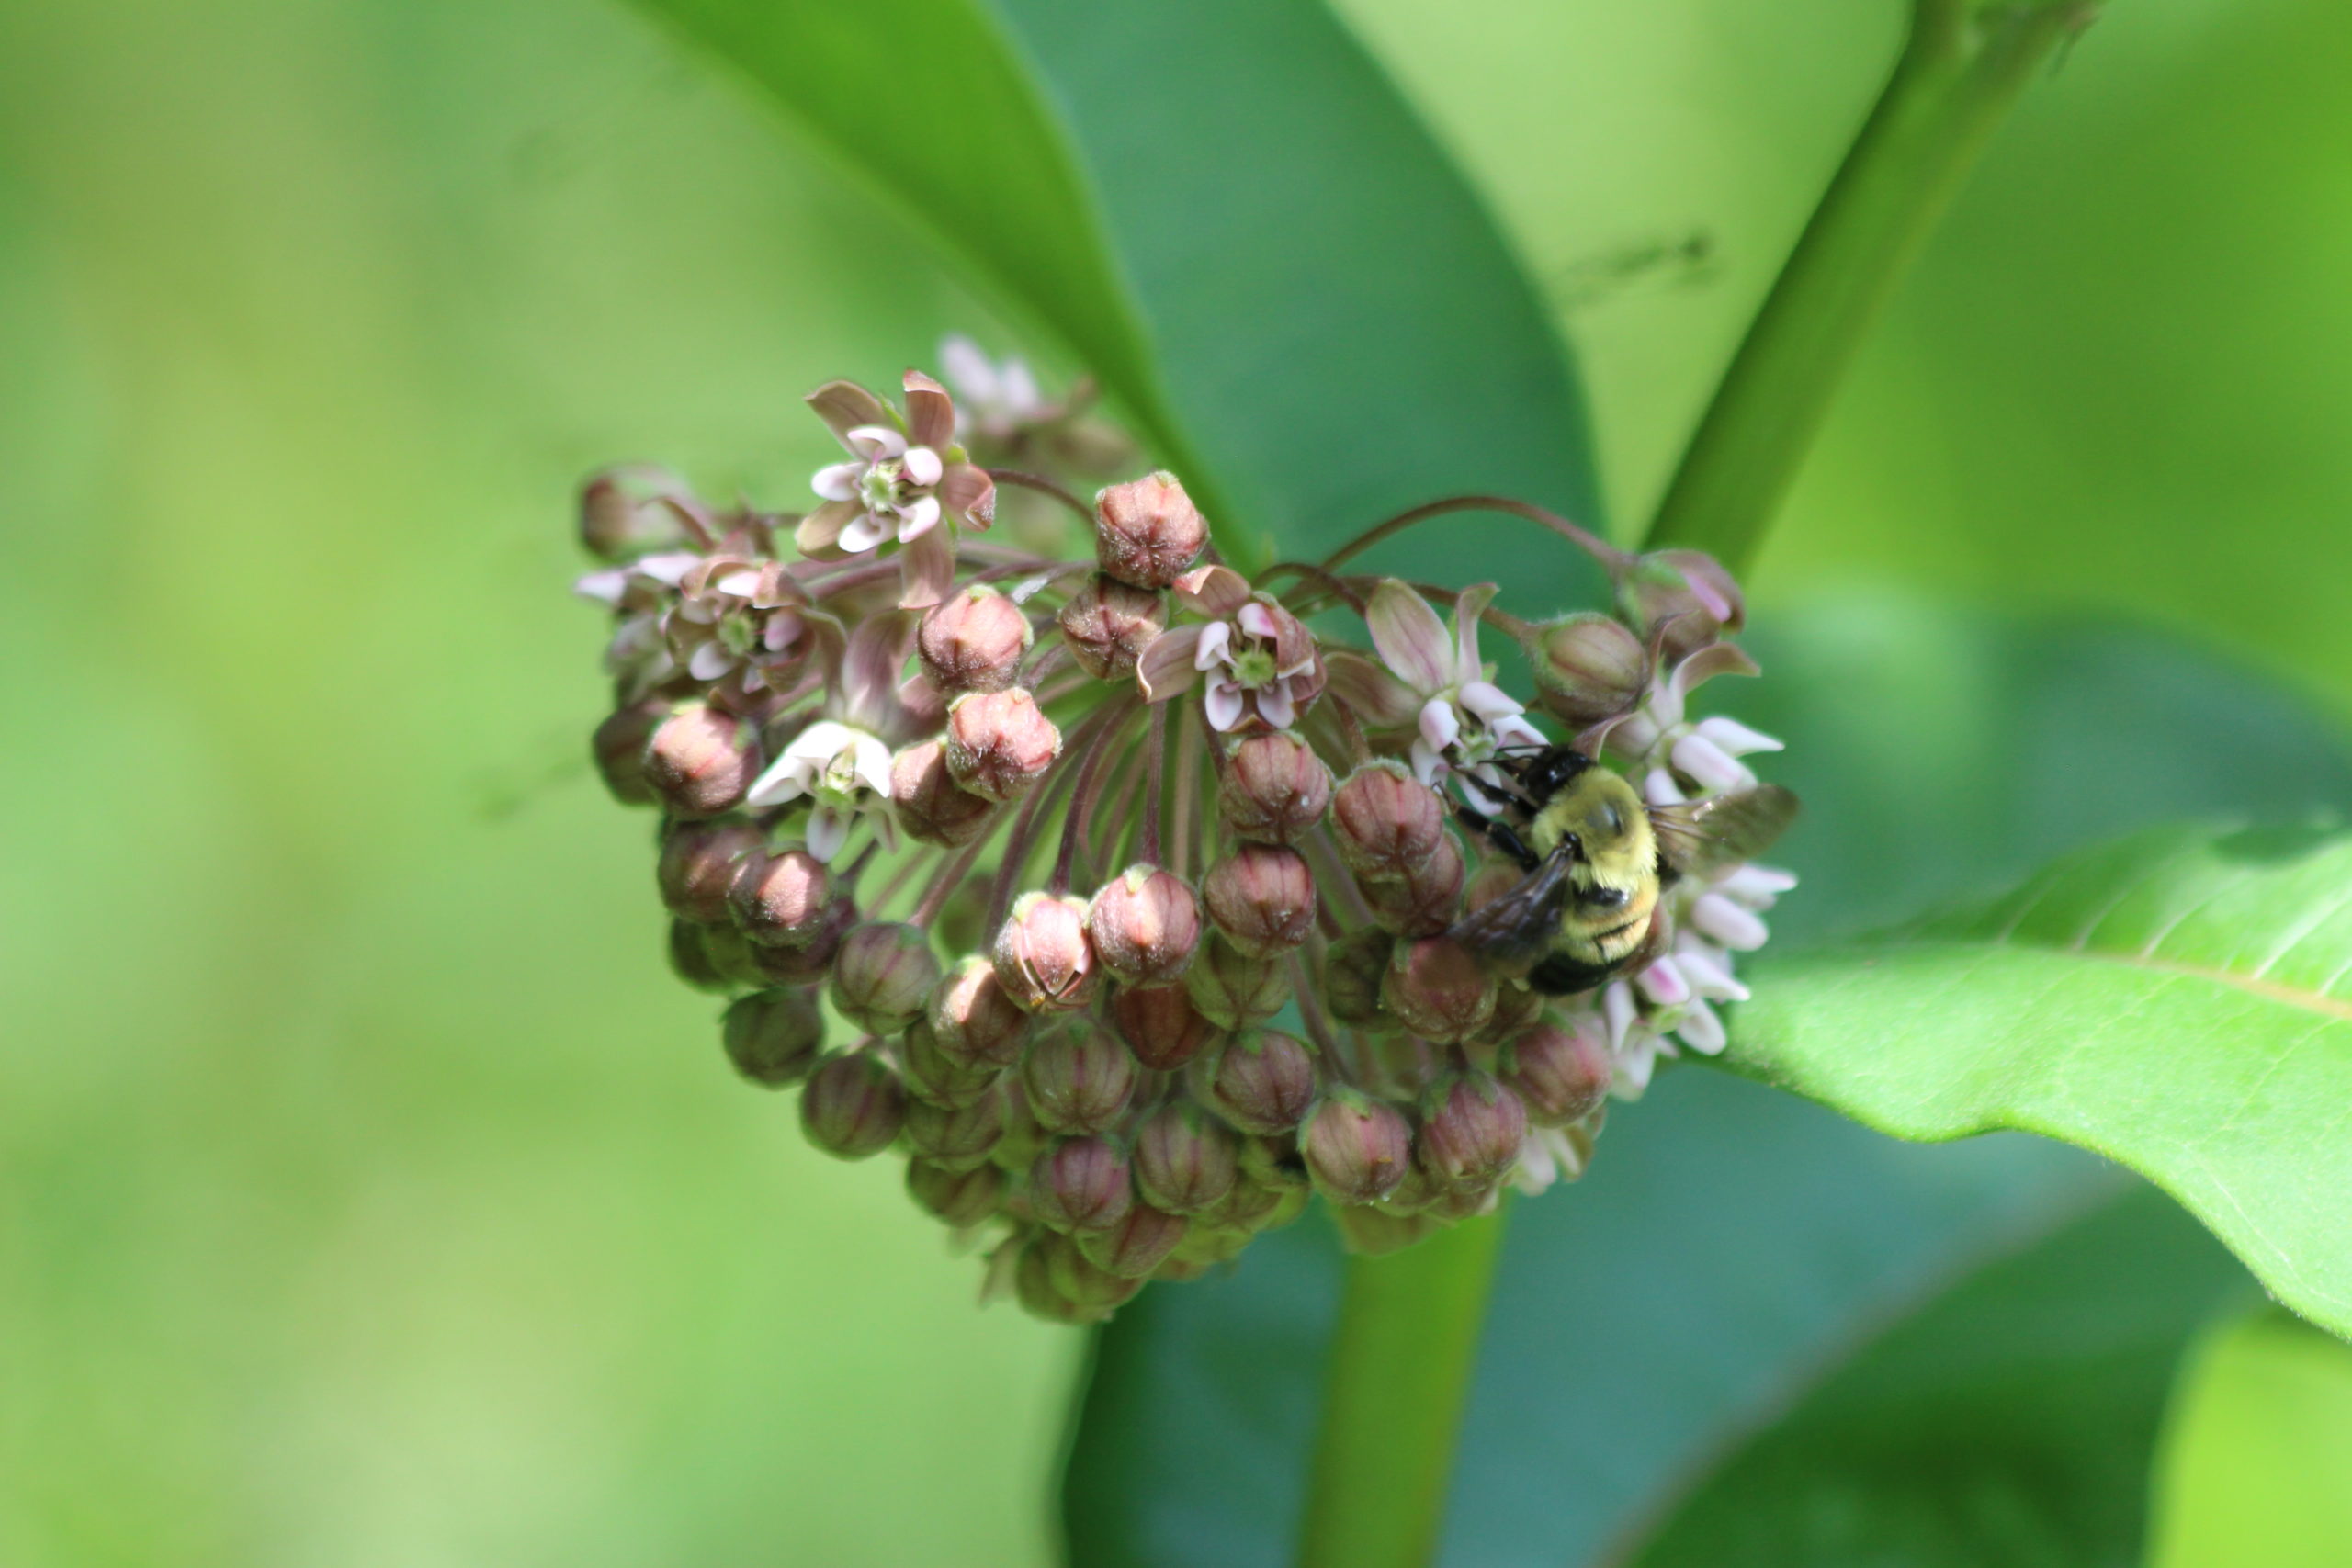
{"type": "Point", "coordinates": [1502, 835]}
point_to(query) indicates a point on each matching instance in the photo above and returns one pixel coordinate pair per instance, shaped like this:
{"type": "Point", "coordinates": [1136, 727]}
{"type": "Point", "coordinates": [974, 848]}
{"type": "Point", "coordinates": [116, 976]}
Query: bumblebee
{"type": "Point", "coordinates": [1597, 856]}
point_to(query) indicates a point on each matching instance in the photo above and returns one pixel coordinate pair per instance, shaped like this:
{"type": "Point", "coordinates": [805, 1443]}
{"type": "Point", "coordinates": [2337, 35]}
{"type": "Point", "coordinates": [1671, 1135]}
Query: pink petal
{"type": "Point", "coordinates": [1379, 699]}
{"type": "Point", "coordinates": [709, 663]}
{"type": "Point", "coordinates": [606, 587]}
{"type": "Point", "coordinates": [741, 584]}
{"type": "Point", "coordinates": [845, 405]}
{"type": "Point", "coordinates": [870, 666]}
{"type": "Point", "coordinates": [1257, 620]}
{"type": "Point", "coordinates": [877, 441]}
{"type": "Point", "coordinates": [1702, 1030]}
{"type": "Point", "coordinates": [828, 831]}
{"type": "Point", "coordinates": [1736, 738]}
{"type": "Point", "coordinates": [819, 533]}
{"type": "Point", "coordinates": [966, 491]}
{"type": "Point", "coordinates": [1696, 757]}
{"type": "Point", "coordinates": [1488, 701]}
{"type": "Point", "coordinates": [1215, 592]}
{"type": "Point", "coordinates": [1165, 667]}
{"type": "Point", "coordinates": [926, 569]}
{"type": "Point", "coordinates": [968, 370]}
{"type": "Point", "coordinates": [924, 466]}
{"type": "Point", "coordinates": [1440, 727]}
{"type": "Point", "coordinates": [1664, 984]}
{"type": "Point", "coordinates": [930, 412]}
{"type": "Point", "coordinates": [1716, 916]}
{"type": "Point", "coordinates": [1715, 658]}
{"type": "Point", "coordinates": [1410, 637]}
{"type": "Point", "coordinates": [838, 481]}
{"type": "Point", "coordinates": [1466, 611]}
{"type": "Point", "coordinates": [1224, 705]}
{"type": "Point", "coordinates": [1274, 705]}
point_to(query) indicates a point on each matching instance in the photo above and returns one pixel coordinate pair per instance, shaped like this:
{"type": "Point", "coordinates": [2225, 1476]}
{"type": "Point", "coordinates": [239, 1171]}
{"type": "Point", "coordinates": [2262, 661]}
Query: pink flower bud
{"type": "Point", "coordinates": [938, 1079]}
{"type": "Point", "coordinates": [956, 1137]}
{"type": "Point", "coordinates": [618, 748]}
{"type": "Point", "coordinates": [1427, 899]}
{"type": "Point", "coordinates": [1043, 957]}
{"type": "Point", "coordinates": [1147, 532]}
{"type": "Point", "coordinates": [1437, 989]}
{"type": "Point", "coordinates": [1263, 1081]}
{"type": "Point", "coordinates": [698, 864]}
{"type": "Point", "coordinates": [973, 642]}
{"type": "Point", "coordinates": [1272, 788]}
{"type": "Point", "coordinates": [780, 900]}
{"type": "Point", "coordinates": [772, 1037]}
{"type": "Point", "coordinates": [928, 802]}
{"type": "Point", "coordinates": [1471, 1130]}
{"type": "Point", "coordinates": [1262, 897]}
{"type": "Point", "coordinates": [1078, 1079]}
{"type": "Point", "coordinates": [1386, 821]}
{"type": "Point", "coordinates": [883, 976]}
{"type": "Point", "coordinates": [960, 1197]}
{"type": "Point", "coordinates": [812, 961]}
{"type": "Point", "coordinates": [1160, 1025]}
{"type": "Point", "coordinates": [700, 760]}
{"type": "Point", "coordinates": [1107, 623]}
{"type": "Point", "coordinates": [1588, 667]}
{"type": "Point", "coordinates": [852, 1105]}
{"type": "Point", "coordinates": [1357, 1148]}
{"type": "Point", "coordinates": [1376, 1232]}
{"type": "Point", "coordinates": [1272, 1190]}
{"type": "Point", "coordinates": [1136, 1244]}
{"type": "Point", "coordinates": [1517, 1008]}
{"type": "Point", "coordinates": [1230, 988]}
{"type": "Point", "coordinates": [1354, 968]}
{"type": "Point", "coordinates": [690, 958]}
{"type": "Point", "coordinates": [1081, 1184]}
{"type": "Point", "coordinates": [1034, 1286]}
{"type": "Point", "coordinates": [998, 743]}
{"type": "Point", "coordinates": [1560, 1070]}
{"type": "Point", "coordinates": [1144, 925]}
{"type": "Point", "coordinates": [1689, 587]}
{"type": "Point", "coordinates": [1185, 1160]}
{"type": "Point", "coordinates": [622, 513]}
{"type": "Point", "coordinates": [975, 1019]}
{"type": "Point", "coordinates": [1081, 1279]}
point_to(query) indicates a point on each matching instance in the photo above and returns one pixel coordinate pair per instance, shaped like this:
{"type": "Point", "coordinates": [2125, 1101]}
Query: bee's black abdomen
{"type": "Point", "coordinates": [1560, 975]}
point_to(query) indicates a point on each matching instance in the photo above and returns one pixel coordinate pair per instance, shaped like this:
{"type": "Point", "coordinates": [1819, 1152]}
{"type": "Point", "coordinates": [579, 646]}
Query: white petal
{"type": "Point", "coordinates": [923, 465]}
{"type": "Point", "coordinates": [1257, 620]}
{"type": "Point", "coordinates": [1274, 705]}
{"type": "Point", "coordinates": [919, 518]}
{"type": "Point", "coordinates": [666, 569]}
{"type": "Point", "coordinates": [603, 586]}
{"type": "Point", "coordinates": [741, 584]}
{"type": "Point", "coordinates": [1697, 758]}
{"type": "Point", "coordinates": [838, 481]}
{"type": "Point", "coordinates": [820, 743]}
{"type": "Point", "coordinates": [1635, 1066]}
{"type": "Point", "coordinates": [1440, 726]}
{"type": "Point", "coordinates": [1619, 1009]}
{"type": "Point", "coordinates": [967, 370]}
{"type": "Point", "coordinates": [885, 441]}
{"type": "Point", "coordinates": [1223, 703]}
{"type": "Point", "coordinates": [1709, 976]}
{"type": "Point", "coordinates": [873, 765]}
{"type": "Point", "coordinates": [828, 831]}
{"type": "Point", "coordinates": [1659, 789]}
{"type": "Point", "coordinates": [1020, 395]}
{"type": "Point", "coordinates": [1716, 916]}
{"type": "Point", "coordinates": [1488, 701]}
{"type": "Point", "coordinates": [1427, 764]}
{"type": "Point", "coordinates": [1211, 651]}
{"type": "Point", "coordinates": [1737, 737]}
{"type": "Point", "coordinates": [785, 779]}
{"type": "Point", "coordinates": [1702, 1030]}
{"type": "Point", "coordinates": [1757, 886]}
{"type": "Point", "coordinates": [1478, 798]}
{"type": "Point", "coordinates": [710, 662]}
{"type": "Point", "coordinates": [865, 532]}
{"type": "Point", "coordinates": [1536, 1169]}
{"type": "Point", "coordinates": [1510, 734]}
{"type": "Point", "coordinates": [1664, 984]}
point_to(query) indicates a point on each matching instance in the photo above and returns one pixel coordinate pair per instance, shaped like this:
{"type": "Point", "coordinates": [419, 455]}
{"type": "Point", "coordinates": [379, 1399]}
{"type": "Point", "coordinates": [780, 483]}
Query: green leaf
{"type": "Point", "coordinates": [2007, 1419]}
{"type": "Point", "coordinates": [1731, 1245]}
{"type": "Point", "coordinates": [1224, 210]}
{"type": "Point", "coordinates": [2257, 1465]}
{"type": "Point", "coordinates": [2175, 1002]}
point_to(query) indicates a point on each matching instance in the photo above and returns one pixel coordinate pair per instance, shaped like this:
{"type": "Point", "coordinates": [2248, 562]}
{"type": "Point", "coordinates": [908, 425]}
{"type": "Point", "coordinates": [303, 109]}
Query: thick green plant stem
{"type": "Point", "coordinates": [1392, 1407]}
{"type": "Point", "coordinates": [1961, 67]}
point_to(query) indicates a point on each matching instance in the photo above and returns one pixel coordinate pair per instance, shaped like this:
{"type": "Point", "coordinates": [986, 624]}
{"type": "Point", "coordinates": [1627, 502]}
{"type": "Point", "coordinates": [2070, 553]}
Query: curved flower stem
{"type": "Point", "coordinates": [1043, 486]}
{"type": "Point", "coordinates": [1600, 549]}
{"type": "Point", "coordinates": [1959, 70]}
{"type": "Point", "coordinates": [1400, 1376]}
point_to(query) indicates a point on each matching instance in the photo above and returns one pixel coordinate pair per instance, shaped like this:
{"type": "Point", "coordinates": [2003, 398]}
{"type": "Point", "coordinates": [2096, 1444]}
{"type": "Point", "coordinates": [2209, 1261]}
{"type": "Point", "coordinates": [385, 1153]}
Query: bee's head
{"type": "Point", "coordinates": [1608, 830]}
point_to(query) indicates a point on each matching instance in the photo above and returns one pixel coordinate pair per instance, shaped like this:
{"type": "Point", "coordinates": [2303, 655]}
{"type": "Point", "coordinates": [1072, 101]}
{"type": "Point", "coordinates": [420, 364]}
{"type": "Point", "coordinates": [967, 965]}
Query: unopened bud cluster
{"type": "Point", "coordinates": [1095, 884]}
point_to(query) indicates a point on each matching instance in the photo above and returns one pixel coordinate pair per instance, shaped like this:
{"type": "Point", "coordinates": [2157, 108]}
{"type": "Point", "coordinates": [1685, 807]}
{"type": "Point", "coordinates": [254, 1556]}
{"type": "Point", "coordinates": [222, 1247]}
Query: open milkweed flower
{"type": "Point", "coordinates": [640, 593]}
{"type": "Point", "coordinates": [995, 398]}
{"type": "Point", "coordinates": [743, 623]}
{"type": "Point", "coordinates": [906, 482]}
{"type": "Point", "coordinates": [841, 763]}
{"type": "Point", "coordinates": [1433, 679]}
{"type": "Point", "coordinates": [1260, 662]}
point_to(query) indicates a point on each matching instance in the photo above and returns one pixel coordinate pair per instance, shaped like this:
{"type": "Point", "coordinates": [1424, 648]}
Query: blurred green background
{"type": "Point", "coordinates": [368, 1193]}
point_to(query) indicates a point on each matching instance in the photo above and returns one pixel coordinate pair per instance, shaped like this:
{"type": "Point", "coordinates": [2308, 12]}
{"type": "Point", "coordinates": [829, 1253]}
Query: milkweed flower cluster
{"type": "Point", "coordinates": [1109, 887]}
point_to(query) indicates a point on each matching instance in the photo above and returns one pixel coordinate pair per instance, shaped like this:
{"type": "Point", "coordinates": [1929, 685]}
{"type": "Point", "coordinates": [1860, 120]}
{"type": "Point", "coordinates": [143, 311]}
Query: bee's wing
{"type": "Point", "coordinates": [1513, 932]}
{"type": "Point", "coordinates": [1707, 836]}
